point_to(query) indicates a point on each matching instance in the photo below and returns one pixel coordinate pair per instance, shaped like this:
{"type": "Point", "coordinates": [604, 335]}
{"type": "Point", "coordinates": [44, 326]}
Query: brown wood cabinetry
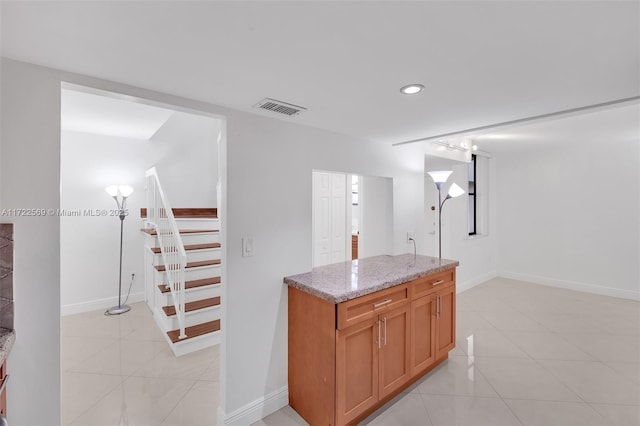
{"type": "Point", "coordinates": [433, 325]}
{"type": "Point", "coordinates": [347, 359]}
{"type": "Point", "coordinates": [371, 361]}
{"type": "Point", "coordinates": [354, 247]}
{"type": "Point", "coordinates": [356, 370]}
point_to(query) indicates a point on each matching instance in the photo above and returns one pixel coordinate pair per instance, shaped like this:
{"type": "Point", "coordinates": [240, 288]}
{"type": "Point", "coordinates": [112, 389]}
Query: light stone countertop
{"type": "Point", "coordinates": [344, 281]}
{"type": "Point", "coordinates": [7, 338]}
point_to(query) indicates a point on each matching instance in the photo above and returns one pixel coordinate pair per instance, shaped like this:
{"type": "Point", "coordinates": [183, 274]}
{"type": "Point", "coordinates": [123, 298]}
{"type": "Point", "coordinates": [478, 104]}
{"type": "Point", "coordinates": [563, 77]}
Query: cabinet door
{"type": "Point", "coordinates": [356, 369]}
{"type": "Point", "coordinates": [446, 321]}
{"type": "Point", "coordinates": [395, 368]}
{"type": "Point", "coordinates": [423, 329]}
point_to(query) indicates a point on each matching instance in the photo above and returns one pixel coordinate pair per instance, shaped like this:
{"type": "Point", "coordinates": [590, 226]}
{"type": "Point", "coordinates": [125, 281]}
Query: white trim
{"type": "Point", "coordinates": [258, 409]}
{"type": "Point", "coordinates": [460, 287]}
{"type": "Point", "coordinates": [94, 305]}
{"type": "Point", "coordinates": [573, 285]}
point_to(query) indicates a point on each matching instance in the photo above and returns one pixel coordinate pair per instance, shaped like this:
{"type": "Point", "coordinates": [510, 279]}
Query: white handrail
{"type": "Point", "coordinates": [174, 257]}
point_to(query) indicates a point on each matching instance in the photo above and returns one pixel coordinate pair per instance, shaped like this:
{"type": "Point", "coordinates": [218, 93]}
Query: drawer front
{"type": "Point", "coordinates": [369, 306]}
{"type": "Point", "coordinates": [425, 285]}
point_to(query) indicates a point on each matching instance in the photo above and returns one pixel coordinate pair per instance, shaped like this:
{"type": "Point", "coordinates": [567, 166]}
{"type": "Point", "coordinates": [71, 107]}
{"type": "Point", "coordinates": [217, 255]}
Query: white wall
{"type": "Point", "coordinates": [185, 154]}
{"type": "Point", "coordinates": [478, 254]}
{"type": "Point", "coordinates": [269, 175]}
{"type": "Point", "coordinates": [568, 215]}
{"type": "Point", "coordinates": [376, 229]}
{"type": "Point", "coordinates": [89, 163]}
{"type": "Point", "coordinates": [30, 169]}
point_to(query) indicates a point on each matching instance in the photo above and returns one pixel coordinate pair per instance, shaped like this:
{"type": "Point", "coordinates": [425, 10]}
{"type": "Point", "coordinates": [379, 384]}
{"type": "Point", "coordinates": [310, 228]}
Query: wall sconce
{"type": "Point", "coordinates": [440, 178]}
{"type": "Point", "coordinates": [123, 191]}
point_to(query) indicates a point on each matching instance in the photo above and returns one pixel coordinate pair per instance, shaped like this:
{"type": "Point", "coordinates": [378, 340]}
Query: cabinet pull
{"type": "Point", "coordinates": [379, 334]}
{"type": "Point", "coordinates": [439, 306]}
{"type": "Point", "coordinates": [4, 383]}
{"type": "Point", "coordinates": [385, 331]}
{"type": "Point", "coordinates": [438, 282]}
{"type": "Point", "coordinates": [384, 302]}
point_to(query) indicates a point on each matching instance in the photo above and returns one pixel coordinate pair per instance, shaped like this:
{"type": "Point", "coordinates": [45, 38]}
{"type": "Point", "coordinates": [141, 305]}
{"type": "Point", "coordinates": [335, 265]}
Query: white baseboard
{"type": "Point", "coordinates": [94, 305]}
{"type": "Point", "coordinates": [460, 287]}
{"type": "Point", "coordinates": [258, 409]}
{"type": "Point", "coordinates": [572, 285]}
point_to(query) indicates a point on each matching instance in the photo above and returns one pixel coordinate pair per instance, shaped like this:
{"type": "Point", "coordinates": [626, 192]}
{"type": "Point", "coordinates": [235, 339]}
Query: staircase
{"type": "Point", "coordinates": [192, 284]}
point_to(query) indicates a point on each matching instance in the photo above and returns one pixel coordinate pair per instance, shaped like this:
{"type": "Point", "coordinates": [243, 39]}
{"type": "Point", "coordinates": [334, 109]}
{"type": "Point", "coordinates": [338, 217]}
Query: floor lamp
{"type": "Point", "coordinates": [440, 178]}
{"type": "Point", "coordinates": [124, 191]}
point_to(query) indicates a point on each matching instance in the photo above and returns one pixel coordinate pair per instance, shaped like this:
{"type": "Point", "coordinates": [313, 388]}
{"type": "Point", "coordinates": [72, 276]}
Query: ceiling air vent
{"type": "Point", "coordinates": [279, 107]}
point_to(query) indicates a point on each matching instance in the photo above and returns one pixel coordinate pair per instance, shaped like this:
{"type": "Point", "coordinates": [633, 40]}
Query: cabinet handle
{"type": "Point", "coordinates": [439, 306]}
{"type": "Point", "coordinates": [379, 334]}
{"type": "Point", "coordinates": [438, 282]}
{"type": "Point", "coordinates": [385, 331]}
{"type": "Point", "coordinates": [4, 383]}
{"type": "Point", "coordinates": [384, 302]}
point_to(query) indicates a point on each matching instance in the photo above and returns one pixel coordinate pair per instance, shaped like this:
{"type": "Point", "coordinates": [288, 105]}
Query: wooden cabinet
{"type": "Point", "coordinates": [356, 369]}
{"type": "Point", "coordinates": [371, 361]}
{"type": "Point", "coordinates": [432, 326]}
{"type": "Point", "coordinates": [395, 345]}
{"type": "Point", "coordinates": [445, 320]}
{"type": "Point", "coordinates": [423, 329]}
{"type": "Point", "coordinates": [354, 247]}
{"type": "Point", "coordinates": [348, 359]}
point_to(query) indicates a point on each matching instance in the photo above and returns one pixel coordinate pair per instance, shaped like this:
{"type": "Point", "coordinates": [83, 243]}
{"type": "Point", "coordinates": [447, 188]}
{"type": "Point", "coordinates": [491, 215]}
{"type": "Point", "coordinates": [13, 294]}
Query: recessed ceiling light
{"type": "Point", "coordinates": [412, 89]}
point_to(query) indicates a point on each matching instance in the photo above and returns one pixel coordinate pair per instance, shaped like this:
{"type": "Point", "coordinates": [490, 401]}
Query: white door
{"type": "Point", "coordinates": [329, 218]}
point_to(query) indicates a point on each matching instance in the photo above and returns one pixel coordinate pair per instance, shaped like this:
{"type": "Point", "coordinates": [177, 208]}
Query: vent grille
{"type": "Point", "coordinates": [279, 107]}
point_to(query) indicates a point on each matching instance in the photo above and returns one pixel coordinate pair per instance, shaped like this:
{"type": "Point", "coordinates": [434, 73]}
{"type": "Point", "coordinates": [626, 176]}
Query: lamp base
{"type": "Point", "coordinates": [117, 310]}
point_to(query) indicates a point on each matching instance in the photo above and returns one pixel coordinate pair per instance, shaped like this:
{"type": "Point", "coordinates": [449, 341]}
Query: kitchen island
{"type": "Point", "coordinates": [362, 331]}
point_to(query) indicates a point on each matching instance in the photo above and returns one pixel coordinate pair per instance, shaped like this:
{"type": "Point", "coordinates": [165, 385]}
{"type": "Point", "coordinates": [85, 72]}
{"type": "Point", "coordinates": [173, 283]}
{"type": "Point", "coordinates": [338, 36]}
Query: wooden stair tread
{"type": "Point", "coordinates": [162, 268]}
{"type": "Point", "coordinates": [193, 306]}
{"type": "Point", "coordinates": [188, 213]}
{"type": "Point", "coordinates": [194, 331]}
{"type": "Point", "coordinates": [153, 232]}
{"type": "Point", "coordinates": [193, 284]}
{"type": "Point", "coordinates": [189, 247]}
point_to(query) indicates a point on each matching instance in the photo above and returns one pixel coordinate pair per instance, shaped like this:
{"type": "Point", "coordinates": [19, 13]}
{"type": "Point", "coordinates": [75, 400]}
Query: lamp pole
{"type": "Point", "coordinates": [440, 178]}
{"type": "Point", "coordinates": [121, 216]}
{"type": "Point", "coordinates": [124, 191]}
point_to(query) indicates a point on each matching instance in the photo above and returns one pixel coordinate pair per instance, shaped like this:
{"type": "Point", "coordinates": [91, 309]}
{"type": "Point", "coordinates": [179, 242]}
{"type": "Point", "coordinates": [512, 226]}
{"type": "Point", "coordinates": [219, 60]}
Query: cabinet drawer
{"type": "Point", "coordinates": [365, 307]}
{"type": "Point", "coordinates": [426, 285]}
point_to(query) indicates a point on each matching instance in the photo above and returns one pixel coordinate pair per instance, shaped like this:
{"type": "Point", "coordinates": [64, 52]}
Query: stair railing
{"type": "Point", "coordinates": [174, 257]}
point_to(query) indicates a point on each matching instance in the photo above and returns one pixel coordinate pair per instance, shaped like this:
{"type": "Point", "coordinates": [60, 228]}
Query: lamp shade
{"type": "Point", "coordinates": [455, 191]}
{"type": "Point", "coordinates": [112, 190]}
{"type": "Point", "coordinates": [125, 190]}
{"type": "Point", "coordinates": [440, 176]}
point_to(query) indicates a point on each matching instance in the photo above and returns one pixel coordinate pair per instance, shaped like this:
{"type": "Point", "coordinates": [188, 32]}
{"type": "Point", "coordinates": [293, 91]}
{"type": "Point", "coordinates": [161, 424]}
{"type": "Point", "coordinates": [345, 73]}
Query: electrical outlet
{"type": "Point", "coordinates": [410, 236]}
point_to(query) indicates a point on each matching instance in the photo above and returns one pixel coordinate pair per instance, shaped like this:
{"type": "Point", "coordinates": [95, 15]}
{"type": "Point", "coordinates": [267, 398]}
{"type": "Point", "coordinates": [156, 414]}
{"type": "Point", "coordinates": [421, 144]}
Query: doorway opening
{"type": "Point", "coordinates": [107, 362]}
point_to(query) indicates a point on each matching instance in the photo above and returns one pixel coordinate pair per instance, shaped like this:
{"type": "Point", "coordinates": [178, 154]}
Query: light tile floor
{"type": "Point", "coordinates": [120, 370]}
{"type": "Point", "coordinates": [526, 355]}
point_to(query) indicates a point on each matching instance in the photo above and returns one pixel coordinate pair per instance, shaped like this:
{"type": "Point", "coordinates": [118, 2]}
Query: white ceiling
{"type": "Point", "coordinates": [481, 62]}
{"type": "Point", "coordinates": [102, 115]}
{"type": "Point", "coordinates": [617, 125]}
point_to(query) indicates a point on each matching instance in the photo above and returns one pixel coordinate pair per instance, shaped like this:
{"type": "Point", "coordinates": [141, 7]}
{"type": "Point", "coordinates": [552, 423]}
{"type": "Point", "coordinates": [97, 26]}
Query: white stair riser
{"type": "Point", "coordinates": [192, 295]}
{"type": "Point", "coordinates": [189, 223]}
{"type": "Point", "coordinates": [196, 343]}
{"type": "Point", "coordinates": [191, 274]}
{"type": "Point", "coordinates": [192, 318]}
{"type": "Point", "coordinates": [198, 223]}
{"type": "Point", "coordinates": [200, 238]}
{"type": "Point", "coordinates": [199, 255]}
{"type": "Point", "coordinates": [192, 255]}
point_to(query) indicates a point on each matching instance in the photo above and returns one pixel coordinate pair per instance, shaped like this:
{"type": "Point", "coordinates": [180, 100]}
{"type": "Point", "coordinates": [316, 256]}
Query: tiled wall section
{"type": "Point", "coordinates": [6, 275]}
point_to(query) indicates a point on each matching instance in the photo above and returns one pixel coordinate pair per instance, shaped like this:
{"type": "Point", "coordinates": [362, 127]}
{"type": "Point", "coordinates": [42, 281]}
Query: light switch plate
{"type": "Point", "coordinates": [247, 247]}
